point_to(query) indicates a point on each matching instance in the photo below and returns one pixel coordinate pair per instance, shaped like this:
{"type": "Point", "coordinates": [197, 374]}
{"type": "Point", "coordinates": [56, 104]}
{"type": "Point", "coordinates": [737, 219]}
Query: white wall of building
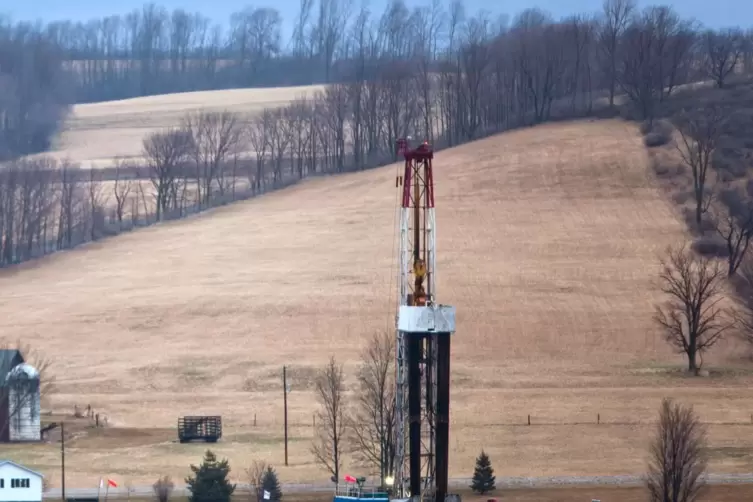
{"type": "Point", "coordinates": [10, 471]}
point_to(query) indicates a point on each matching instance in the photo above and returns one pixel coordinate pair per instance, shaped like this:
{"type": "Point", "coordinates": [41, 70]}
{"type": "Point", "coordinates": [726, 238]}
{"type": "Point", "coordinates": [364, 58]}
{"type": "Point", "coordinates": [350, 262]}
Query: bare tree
{"type": "Point", "coordinates": [653, 57]}
{"type": "Point", "coordinates": [330, 27]}
{"type": "Point", "coordinates": [733, 222]}
{"type": "Point", "coordinates": [637, 67]}
{"type": "Point", "coordinates": [10, 214]}
{"type": "Point", "coordinates": [280, 134]}
{"type": "Point", "coordinates": [97, 199]}
{"type": "Point", "coordinates": [474, 59]}
{"type": "Point", "coordinates": [300, 116]}
{"type": "Point", "coordinates": [166, 152]}
{"type": "Point", "coordinates": [258, 135]}
{"type": "Point", "coordinates": [539, 51]}
{"type": "Point", "coordinates": [328, 446]}
{"type": "Point", "coordinates": [255, 477]}
{"type": "Point", "coordinates": [678, 456]}
{"type": "Point", "coordinates": [141, 195]}
{"type": "Point", "coordinates": [334, 102]}
{"type": "Point", "coordinates": [121, 188]}
{"type": "Point", "coordinates": [690, 319]}
{"type": "Point", "coordinates": [300, 38]}
{"type": "Point", "coordinates": [723, 51]}
{"type": "Point", "coordinates": [33, 97]}
{"type": "Point", "coordinates": [700, 132]}
{"type": "Point", "coordinates": [255, 37]}
{"type": "Point", "coordinates": [26, 204]}
{"type": "Point", "coordinates": [215, 137]}
{"type": "Point", "coordinates": [372, 425]}
{"type": "Point", "coordinates": [747, 52]}
{"type": "Point", "coordinates": [163, 488]}
{"type": "Point", "coordinates": [579, 34]}
{"type": "Point", "coordinates": [616, 17]}
{"type": "Point", "coordinates": [743, 312]}
{"type": "Point", "coordinates": [70, 198]}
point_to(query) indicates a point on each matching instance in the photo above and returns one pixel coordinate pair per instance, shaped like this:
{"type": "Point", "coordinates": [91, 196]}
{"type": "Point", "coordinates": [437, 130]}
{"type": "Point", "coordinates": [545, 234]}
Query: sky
{"type": "Point", "coordinates": [715, 14]}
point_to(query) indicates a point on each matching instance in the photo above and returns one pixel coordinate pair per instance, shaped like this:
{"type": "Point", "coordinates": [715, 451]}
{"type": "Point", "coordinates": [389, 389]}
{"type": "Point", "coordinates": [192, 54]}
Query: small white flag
{"type": "Point", "coordinates": [267, 495]}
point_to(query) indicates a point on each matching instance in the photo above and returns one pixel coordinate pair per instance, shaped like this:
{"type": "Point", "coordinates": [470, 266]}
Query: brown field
{"type": "Point", "coordinates": [96, 133]}
{"type": "Point", "coordinates": [548, 243]}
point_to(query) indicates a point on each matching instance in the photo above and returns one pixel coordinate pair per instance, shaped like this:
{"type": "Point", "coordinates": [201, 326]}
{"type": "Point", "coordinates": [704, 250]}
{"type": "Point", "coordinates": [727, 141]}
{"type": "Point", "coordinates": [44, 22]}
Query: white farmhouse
{"type": "Point", "coordinates": [19, 484]}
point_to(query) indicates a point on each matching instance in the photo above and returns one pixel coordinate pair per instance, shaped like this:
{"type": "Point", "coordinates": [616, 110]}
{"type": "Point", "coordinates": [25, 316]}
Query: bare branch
{"type": "Point", "coordinates": [215, 136]}
{"type": "Point", "coordinates": [39, 360]}
{"type": "Point", "coordinates": [734, 224]}
{"type": "Point", "coordinates": [258, 132]}
{"type": "Point", "coordinates": [166, 153]}
{"type": "Point", "coordinates": [690, 318]}
{"type": "Point", "coordinates": [373, 418]}
{"type": "Point", "coordinates": [255, 477]}
{"type": "Point", "coordinates": [329, 445]}
{"type": "Point", "coordinates": [122, 188]}
{"type": "Point", "coordinates": [97, 199]}
{"type": "Point", "coordinates": [700, 131]}
{"type": "Point", "coordinates": [678, 456]}
{"type": "Point", "coordinates": [722, 53]}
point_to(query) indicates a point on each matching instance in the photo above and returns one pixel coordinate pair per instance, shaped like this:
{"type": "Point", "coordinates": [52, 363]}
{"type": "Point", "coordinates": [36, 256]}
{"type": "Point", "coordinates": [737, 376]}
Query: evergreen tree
{"type": "Point", "coordinates": [271, 484]}
{"type": "Point", "coordinates": [483, 475]}
{"type": "Point", "coordinates": [209, 482]}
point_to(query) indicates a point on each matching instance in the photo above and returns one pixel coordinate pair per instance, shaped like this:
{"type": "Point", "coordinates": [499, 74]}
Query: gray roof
{"type": "Point", "coordinates": [3, 462]}
{"type": "Point", "coordinates": [9, 359]}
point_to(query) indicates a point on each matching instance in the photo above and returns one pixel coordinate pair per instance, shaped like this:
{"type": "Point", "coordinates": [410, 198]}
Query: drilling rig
{"type": "Point", "coordinates": [424, 328]}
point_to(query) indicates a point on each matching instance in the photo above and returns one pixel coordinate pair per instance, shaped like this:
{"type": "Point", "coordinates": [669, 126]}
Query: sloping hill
{"type": "Point", "coordinates": [98, 132]}
{"type": "Point", "coordinates": [548, 243]}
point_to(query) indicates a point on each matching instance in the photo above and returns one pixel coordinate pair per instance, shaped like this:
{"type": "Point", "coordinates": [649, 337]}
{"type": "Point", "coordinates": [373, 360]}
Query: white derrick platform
{"type": "Point", "coordinates": [429, 319]}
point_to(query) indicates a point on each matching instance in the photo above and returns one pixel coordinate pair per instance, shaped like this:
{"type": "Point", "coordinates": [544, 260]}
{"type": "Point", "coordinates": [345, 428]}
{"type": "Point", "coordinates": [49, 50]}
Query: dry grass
{"type": "Point", "coordinates": [714, 493]}
{"type": "Point", "coordinates": [548, 242]}
{"type": "Point", "coordinates": [96, 133]}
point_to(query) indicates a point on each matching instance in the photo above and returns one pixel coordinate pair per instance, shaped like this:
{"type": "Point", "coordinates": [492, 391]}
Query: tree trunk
{"type": "Point", "coordinates": [692, 365]}
{"type": "Point", "coordinates": [698, 211]}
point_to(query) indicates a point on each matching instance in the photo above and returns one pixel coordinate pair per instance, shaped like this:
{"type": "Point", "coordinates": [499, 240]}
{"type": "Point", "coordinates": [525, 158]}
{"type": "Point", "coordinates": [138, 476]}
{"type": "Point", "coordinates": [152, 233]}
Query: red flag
{"type": "Point", "coordinates": [112, 483]}
{"type": "Point", "coordinates": [349, 479]}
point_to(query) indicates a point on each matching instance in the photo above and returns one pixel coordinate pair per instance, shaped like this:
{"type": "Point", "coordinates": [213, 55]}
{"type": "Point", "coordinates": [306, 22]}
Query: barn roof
{"type": "Point", "coordinates": [10, 462]}
{"type": "Point", "coordinates": [9, 359]}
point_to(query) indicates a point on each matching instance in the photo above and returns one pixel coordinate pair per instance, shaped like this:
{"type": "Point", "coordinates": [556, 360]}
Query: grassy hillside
{"type": "Point", "coordinates": [96, 133]}
{"type": "Point", "coordinates": [548, 241]}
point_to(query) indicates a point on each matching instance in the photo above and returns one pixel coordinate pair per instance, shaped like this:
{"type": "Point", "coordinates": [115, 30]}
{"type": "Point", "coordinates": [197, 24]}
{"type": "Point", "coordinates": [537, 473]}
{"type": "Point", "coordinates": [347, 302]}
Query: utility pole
{"type": "Point", "coordinates": [62, 454]}
{"type": "Point", "coordinates": [285, 405]}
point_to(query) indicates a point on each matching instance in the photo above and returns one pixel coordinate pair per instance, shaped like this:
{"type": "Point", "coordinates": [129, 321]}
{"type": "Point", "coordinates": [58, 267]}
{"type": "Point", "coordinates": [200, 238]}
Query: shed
{"type": "Point", "coordinates": [19, 483]}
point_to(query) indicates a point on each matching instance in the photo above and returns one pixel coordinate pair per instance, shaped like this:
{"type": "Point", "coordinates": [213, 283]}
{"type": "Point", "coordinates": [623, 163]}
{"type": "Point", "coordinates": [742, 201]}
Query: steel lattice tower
{"type": "Point", "coordinates": [423, 340]}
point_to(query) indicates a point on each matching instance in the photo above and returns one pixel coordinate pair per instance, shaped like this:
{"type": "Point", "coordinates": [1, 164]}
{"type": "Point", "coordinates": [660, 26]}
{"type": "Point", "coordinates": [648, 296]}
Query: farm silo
{"type": "Point", "coordinates": [23, 403]}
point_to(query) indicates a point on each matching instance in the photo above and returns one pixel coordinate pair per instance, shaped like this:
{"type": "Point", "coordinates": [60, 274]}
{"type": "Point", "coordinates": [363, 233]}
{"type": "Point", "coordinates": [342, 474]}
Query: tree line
{"type": "Point", "coordinates": [697, 278]}
{"type": "Point", "coordinates": [487, 70]}
{"type": "Point", "coordinates": [431, 73]}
